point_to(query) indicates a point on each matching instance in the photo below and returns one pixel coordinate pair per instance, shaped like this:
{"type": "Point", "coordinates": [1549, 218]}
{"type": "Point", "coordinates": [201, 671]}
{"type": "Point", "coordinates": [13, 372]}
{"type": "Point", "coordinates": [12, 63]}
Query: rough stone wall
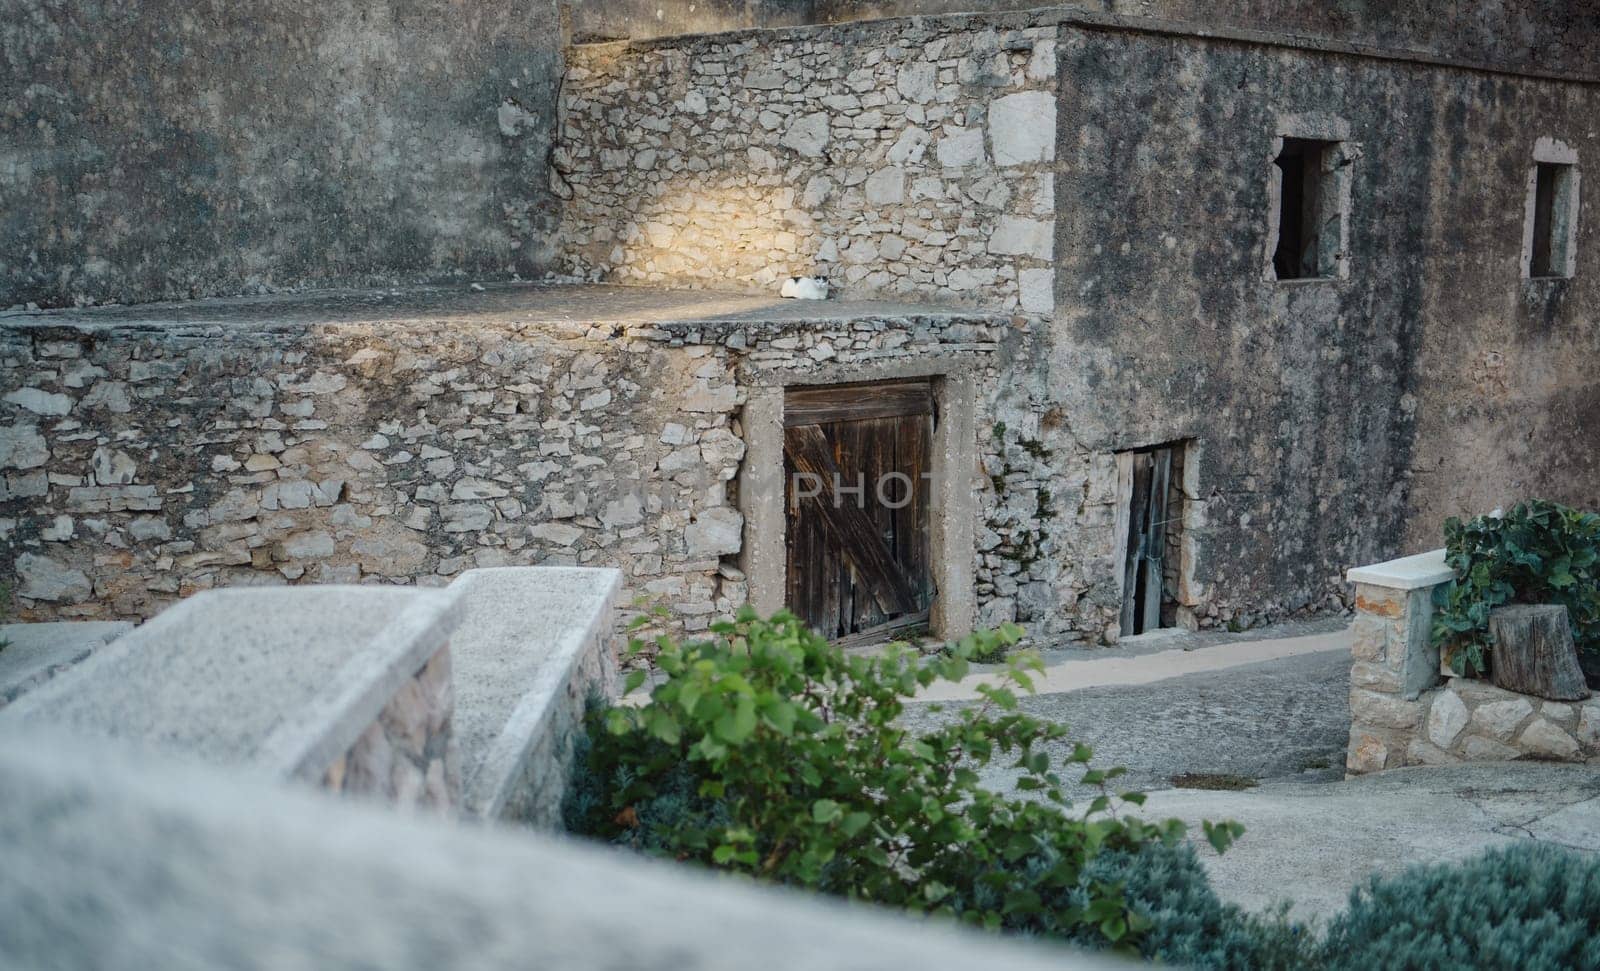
{"type": "Point", "coordinates": [910, 159]}
{"type": "Point", "coordinates": [1319, 408]}
{"type": "Point", "coordinates": [163, 149]}
{"type": "Point", "coordinates": [146, 462]}
{"type": "Point", "coordinates": [1399, 718]}
{"type": "Point", "coordinates": [408, 756]}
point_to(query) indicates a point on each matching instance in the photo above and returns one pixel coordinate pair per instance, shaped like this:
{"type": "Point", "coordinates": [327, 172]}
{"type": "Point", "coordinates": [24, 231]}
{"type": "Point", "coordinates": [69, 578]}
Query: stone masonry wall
{"type": "Point", "coordinates": [144, 462]}
{"type": "Point", "coordinates": [894, 159]}
{"type": "Point", "coordinates": [1401, 714]}
{"type": "Point", "coordinates": [408, 756]}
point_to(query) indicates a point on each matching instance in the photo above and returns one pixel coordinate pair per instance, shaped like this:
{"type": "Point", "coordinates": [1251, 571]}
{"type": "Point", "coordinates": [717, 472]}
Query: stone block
{"type": "Point", "coordinates": [1380, 601]}
{"type": "Point", "coordinates": [1543, 738]}
{"type": "Point", "coordinates": [808, 135]}
{"type": "Point", "coordinates": [1370, 639]}
{"type": "Point", "coordinates": [1038, 290]}
{"type": "Point", "coordinates": [22, 447]}
{"type": "Point", "coordinates": [715, 532]}
{"type": "Point", "coordinates": [886, 187]}
{"type": "Point", "coordinates": [1383, 710]}
{"type": "Point", "coordinates": [1022, 128]}
{"type": "Point", "coordinates": [1500, 719]}
{"type": "Point", "coordinates": [1375, 677]}
{"type": "Point", "coordinates": [1476, 748]}
{"type": "Point", "coordinates": [1367, 753]}
{"type": "Point", "coordinates": [1589, 725]}
{"type": "Point", "coordinates": [1017, 236]}
{"type": "Point", "coordinates": [1420, 752]}
{"type": "Point", "coordinates": [1447, 717]}
{"type": "Point", "coordinates": [960, 147]}
{"type": "Point", "coordinates": [46, 578]}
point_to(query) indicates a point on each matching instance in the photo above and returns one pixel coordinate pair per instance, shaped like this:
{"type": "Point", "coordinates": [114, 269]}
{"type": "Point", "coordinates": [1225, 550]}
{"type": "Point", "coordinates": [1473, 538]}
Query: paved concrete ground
{"type": "Point", "coordinates": [1282, 719]}
{"type": "Point", "coordinates": [1312, 844]}
{"type": "Point", "coordinates": [1284, 722]}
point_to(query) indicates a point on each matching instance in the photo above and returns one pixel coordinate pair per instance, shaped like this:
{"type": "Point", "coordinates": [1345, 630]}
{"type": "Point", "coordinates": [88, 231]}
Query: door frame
{"type": "Point", "coordinates": [953, 513]}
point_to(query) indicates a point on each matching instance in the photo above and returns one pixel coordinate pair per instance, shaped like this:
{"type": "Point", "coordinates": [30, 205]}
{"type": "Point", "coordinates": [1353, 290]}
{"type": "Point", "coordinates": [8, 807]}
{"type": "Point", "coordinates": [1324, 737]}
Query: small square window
{"type": "Point", "coordinates": [1553, 210]}
{"type": "Point", "coordinates": [1310, 210]}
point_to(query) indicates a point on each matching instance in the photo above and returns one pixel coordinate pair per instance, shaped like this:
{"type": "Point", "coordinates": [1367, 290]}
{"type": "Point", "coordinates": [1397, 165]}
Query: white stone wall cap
{"type": "Point", "coordinates": [282, 679]}
{"type": "Point", "coordinates": [524, 631]}
{"type": "Point", "coordinates": [1406, 573]}
{"type": "Point", "coordinates": [201, 866]}
{"type": "Point", "coordinates": [33, 651]}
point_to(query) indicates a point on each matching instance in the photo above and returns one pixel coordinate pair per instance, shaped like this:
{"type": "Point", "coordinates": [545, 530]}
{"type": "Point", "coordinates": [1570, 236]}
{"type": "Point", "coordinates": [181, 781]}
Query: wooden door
{"type": "Point", "coordinates": [858, 494]}
{"type": "Point", "coordinates": [1145, 556]}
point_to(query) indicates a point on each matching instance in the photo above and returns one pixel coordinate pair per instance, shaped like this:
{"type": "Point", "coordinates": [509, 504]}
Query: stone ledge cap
{"type": "Point", "coordinates": [283, 680]}
{"type": "Point", "coordinates": [523, 633]}
{"type": "Point", "coordinates": [1407, 573]}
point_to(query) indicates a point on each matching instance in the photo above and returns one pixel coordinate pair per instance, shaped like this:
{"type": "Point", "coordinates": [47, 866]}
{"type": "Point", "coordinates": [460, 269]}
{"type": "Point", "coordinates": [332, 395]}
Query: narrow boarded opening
{"type": "Point", "coordinates": [1151, 482]}
{"type": "Point", "coordinates": [1308, 211]}
{"type": "Point", "coordinates": [858, 477]}
{"type": "Point", "coordinates": [1552, 194]}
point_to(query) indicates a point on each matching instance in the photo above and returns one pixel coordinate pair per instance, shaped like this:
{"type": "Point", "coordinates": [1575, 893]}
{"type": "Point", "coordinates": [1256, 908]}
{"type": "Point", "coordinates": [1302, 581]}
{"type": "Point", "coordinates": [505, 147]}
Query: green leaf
{"type": "Point", "coordinates": [825, 811]}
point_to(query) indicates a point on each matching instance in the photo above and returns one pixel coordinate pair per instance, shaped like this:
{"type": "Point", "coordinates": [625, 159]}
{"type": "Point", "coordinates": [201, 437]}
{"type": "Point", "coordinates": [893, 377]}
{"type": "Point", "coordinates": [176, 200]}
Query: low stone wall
{"type": "Point", "coordinates": [408, 756]}
{"type": "Point", "coordinates": [345, 687]}
{"type": "Point", "coordinates": [152, 453]}
{"type": "Point", "coordinates": [908, 157]}
{"type": "Point", "coordinates": [534, 648]}
{"type": "Point", "coordinates": [191, 866]}
{"type": "Point", "coordinates": [1404, 712]}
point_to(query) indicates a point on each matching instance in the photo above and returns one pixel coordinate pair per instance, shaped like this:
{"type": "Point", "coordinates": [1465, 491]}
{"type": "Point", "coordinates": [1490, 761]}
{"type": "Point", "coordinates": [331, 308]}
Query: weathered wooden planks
{"type": "Point", "coordinates": [859, 557]}
{"type": "Point", "coordinates": [845, 523]}
{"type": "Point", "coordinates": [824, 406]}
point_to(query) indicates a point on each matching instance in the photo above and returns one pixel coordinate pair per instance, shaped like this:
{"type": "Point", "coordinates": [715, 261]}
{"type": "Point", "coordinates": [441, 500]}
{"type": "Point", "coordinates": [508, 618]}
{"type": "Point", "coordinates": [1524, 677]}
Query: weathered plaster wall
{"type": "Point", "coordinates": [1542, 35]}
{"type": "Point", "coordinates": [162, 149]}
{"type": "Point", "coordinates": [593, 20]}
{"type": "Point", "coordinates": [354, 439]}
{"type": "Point", "coordinates": [1312, 402]}
{"type": "Point", "coordinates": [901, 159]}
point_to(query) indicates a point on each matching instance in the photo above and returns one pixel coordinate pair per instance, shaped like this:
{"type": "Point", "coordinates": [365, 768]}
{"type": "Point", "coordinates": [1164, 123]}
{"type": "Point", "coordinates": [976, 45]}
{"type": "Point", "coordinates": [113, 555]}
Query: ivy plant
{"type": "Point", "coordinates": [1540, 552]}
{"type": "Point", "coordinates": [769, 752]}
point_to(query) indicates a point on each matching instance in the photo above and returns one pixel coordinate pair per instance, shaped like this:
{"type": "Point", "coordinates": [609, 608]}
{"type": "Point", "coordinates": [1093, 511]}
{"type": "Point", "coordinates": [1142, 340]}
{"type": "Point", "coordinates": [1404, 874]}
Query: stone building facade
{"type": "Point", "coordinates": [1078, 213]}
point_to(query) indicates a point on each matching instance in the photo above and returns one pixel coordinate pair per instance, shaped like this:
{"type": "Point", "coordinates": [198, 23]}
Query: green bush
{"type": "Point", "coordinates": [1539, 552]}
{"type": "Point", "coordinates": [1529, 906]}
{"type": "Point", "coordinates": [770, 752]}
{"type": "Point", "coordinates": [1190, 926]}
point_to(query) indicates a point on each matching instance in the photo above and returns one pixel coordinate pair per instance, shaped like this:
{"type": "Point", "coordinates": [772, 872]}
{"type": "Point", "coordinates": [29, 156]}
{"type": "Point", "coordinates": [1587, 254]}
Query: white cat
{"type": "Point", "coordinates": [805, 288]}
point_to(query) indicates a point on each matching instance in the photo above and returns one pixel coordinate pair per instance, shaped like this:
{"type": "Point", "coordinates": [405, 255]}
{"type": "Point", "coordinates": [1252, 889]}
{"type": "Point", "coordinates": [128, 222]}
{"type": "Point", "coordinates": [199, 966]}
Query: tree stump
{"type": "Point", "coordinates": [1533, 653]}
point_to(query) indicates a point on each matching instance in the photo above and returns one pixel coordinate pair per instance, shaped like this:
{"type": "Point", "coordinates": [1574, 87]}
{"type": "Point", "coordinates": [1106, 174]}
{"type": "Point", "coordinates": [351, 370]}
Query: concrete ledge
{"type": "Point", "coordinates": [533, 644]}
{"type": "Point", "coordinates": [1407, 573]}
{"type": "Point", "coordinates": [35, 653]}
{"type": "Point", "coordinates": [284, 680]}
{"type": "Point", "coordinates": [192, 866]}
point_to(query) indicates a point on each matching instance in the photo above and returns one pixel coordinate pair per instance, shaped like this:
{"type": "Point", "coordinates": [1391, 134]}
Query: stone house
{"type": "Point", "coordinates": [1178, 308]}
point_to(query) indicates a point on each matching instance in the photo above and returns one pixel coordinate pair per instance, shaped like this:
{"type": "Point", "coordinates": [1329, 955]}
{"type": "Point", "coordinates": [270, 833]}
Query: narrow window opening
{"type": "Point", "coordinates": [1552, 212]}
{"type": "Point", "coordinates": [1151, 507]}
{"type": "Point", "coordinates": [1309, 216]}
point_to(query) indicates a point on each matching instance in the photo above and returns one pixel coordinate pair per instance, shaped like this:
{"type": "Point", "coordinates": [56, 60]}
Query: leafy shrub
{"type": "Point", "coordinates": [1529, 906]}
{"type": "Point", "coordinates": [770, 752]}
{"type": "Point", "coordinates": [1539, 552]}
